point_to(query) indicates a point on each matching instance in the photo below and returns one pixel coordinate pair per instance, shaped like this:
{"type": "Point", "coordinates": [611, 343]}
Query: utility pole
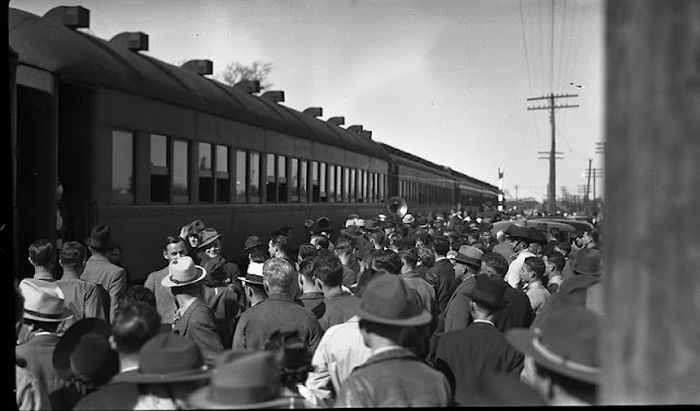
{"type": "Point", "coordinates": [516, 192]}
{"type": "Point", "coordinates": [551, 188]}
{"type": "Point", "coordinates": [594, 173]}
{"type": "Point", "coordinates": [588, 185]}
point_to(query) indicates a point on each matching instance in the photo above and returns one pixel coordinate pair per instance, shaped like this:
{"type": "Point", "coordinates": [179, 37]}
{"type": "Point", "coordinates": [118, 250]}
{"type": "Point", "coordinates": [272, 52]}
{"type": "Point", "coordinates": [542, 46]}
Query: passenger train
{"type": "Point", "coordinates": [103, 133]}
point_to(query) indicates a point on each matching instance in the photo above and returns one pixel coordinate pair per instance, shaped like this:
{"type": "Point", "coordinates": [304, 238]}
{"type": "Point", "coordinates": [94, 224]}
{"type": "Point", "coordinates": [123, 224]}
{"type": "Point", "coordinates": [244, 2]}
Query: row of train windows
{"type": "Point", "coordinates": [424, 193]}
{"type": "Point", "coordinates": [286, 179]}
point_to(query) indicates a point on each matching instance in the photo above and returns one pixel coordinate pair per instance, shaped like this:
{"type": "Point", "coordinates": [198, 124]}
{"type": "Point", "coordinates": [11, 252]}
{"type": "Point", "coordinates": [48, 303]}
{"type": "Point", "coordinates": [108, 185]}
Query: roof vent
{"type": "Point", "coordinates": [73, 17]}
{"type": "Point", "coordinates": [201, 67]}
{"type": "Point", "coordinates": [356, 128]}
{"type": "Point", "coordinates": [275, 96]}
{"type": "Point", "coordinates": [366, 134]}
{"type": "Point", "coordinates": [314, 111]}
{"type": "Point", "coordinates": [249, 86]}
{"type": "Point", "coordinates": [338, 121]}
{"type": "Point", "coordinates": [134, 41]}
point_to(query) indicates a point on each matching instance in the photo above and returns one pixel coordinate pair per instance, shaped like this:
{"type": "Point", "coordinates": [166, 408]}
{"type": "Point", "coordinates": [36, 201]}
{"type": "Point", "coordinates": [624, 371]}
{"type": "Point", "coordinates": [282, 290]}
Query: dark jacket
{"type": "Point", "coordinates": [277, 312]}
{"type": "Point", "coordinates": [113, 396]}
{"type": "Point", "coordinates": [338, 309]}
{"type": "Point", "coordinates": [457, 314]}
{"type": "Point", "coordinates": [224, 303]}
{"type": "Point", "coordinates": [314, 302]}
{"type": "Point", "coordinates": [466, 355]}
{"type": "Point", "coordinates": [198, 324]}
{"type": "Point", "coordinates": [441, 276]}
{"type": "Point", "coordinates": [165, 301]}
{"type": "Point", "coordinates": [395, 378]}
{"type": "Point", "coordinates": [517, 314]}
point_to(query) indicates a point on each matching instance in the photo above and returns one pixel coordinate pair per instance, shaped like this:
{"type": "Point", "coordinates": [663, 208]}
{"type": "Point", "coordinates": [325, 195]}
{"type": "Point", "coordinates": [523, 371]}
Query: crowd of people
{"type": "Point", "coordinates": [426, 310]}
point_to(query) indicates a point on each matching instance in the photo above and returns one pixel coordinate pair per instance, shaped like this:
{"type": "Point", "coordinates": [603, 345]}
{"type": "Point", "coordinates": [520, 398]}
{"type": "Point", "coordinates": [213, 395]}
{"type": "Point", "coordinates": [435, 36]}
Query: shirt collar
{"type": "Point", "coordinates": [185, 306]}
{"type": "Point", "coordinates": [440, 258]}
{"type": "Point", "coordinates": [484, 321]}
{"type": "Point", "coordinates": [385, 349]}
{"type": "Point", "coordinates": [44, 277]}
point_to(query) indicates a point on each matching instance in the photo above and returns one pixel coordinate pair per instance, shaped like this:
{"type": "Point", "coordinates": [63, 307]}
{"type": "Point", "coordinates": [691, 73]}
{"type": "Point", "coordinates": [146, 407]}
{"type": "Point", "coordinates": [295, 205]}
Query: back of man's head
{"type": "Point", "coordinates": [409, 257]}
{"type": "Point", "coordinates": [388, 262]}
{"type": "Point", "coordinates": [279, 275]}
{"type": "Point", "coordinates": [497, 262]}
{"type": "Point", "coordinates": [306, 267]}
{"type": "Point", "coordinates": [378, 238]}
{"type": "Point", "coordinates": [536, 264]}
{"type": "Point", "coordinates": [136, 294]}
{"type": "Point", "coordinates": [307, 250]}
{"type": "Point", "coordinates": [441, 246]}
{"type": "Point", "coordinates": [556, 258]}
{"type": "Point", "coordinates": [328, 269]}
{"type": "Point", "coordinates": [42, 253]}
{"type": "Point", "coordinates": [280, 241]}
{"type": "Point", "coordinates": [134, 325]}
{"type": "Point", "coordinates": [72, 254]}
{"type": "Point", "coordinates": [344, 246]}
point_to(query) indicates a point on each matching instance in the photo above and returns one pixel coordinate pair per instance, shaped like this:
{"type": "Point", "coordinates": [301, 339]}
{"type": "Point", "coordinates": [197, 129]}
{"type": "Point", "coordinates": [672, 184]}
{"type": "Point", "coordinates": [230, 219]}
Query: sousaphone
{"type": "Point", "coordinates": [397, 207]}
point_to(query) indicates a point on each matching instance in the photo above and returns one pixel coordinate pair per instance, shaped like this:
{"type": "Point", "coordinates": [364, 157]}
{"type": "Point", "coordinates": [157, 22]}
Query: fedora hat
{"type": "Point", "coordinates": [100, 237]}
{"type": "Point", "coordinates": [195, 227]}
{"type": "Point", "coordinates": [242, 381]}
{"type": "Point", "coordinates": [84, 350]}
{"type": "Point", "coordinates": [182, 271]}
{"type": "Point", "coordinates": [488, 292]}
{"type": "Point", "coordinates": [387, 301]}
{"type": "Point", "coordinates": [566, 343]}
{"type": "Point", "coordinates": [43, 301]}
{"type": "Point", "coordinates": [167, 358]}
{"type": "Point", "coordinates": [469, 255]}
{"type": "Point", "coordinates": [587, 261]}
{"type": "Point", "coordinates": [323, 224]}
{"type": "Point", "coordinates": [408, 219]}
{"type": "Point", "coordinates": [252, 242]}
{"type": "Point", "coordinates": [207, 237]}
{"type": "Point", "coordinates": [255, 279]}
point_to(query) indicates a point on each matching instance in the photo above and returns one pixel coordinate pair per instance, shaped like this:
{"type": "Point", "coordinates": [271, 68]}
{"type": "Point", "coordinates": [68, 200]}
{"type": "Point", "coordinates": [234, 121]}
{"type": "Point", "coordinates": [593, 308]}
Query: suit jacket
{"type": "Point", "coordinates": [314, 302]}
{"type": "Point", "coordinates": [395, 378]}
{"type": "Point", "coordinates": [338, 309]}
{"type": "Point", "coordinates": [165, 300]}
{"type": "Point", "coordinates": [86, 300]}
{"type": "Point", "coordinates": [457, 315]}
{"type": "Point", "coordinates": [277, 312]}
{"type": "Point", "coordinates": [38, 354]}
{"type": "Point", "coordinates": [423, 288]}
{"type": "Point", "coordinates": [113, 396]}
{"type": "Point", "coordinates": [441, 276]}
{"type": "Point", "coordinates": [197, 323]}
{"type": "Point", "coordinates": [224, 303]}
{"type": "Point", "coordinates": [27, 393]}
{"type": "Point", "coordinates": [517, 314]}
{"type": "Point", "coordinates": [98, 270]}
{"type": "Point", "coordinates": [467, 355]}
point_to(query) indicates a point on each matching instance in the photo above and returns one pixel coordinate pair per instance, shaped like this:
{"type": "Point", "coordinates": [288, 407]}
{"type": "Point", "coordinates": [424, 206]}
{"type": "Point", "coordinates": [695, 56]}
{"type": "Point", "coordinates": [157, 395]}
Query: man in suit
{"type": "Point", "coordinates": [194, 319]}
{"type": "Point", "coordinates": [467, 266]}
{"type": "Point", "coordinates": [277, 312]}
{"type": "Point", "coordinates": [442, 274]}
{"type": "Point", "coordinates": [518, 312]}
{"type": "Point", "coordinates": [43, 312]}
{"type": "Point", "coordinates": [173, 248]}
{"type": "Point", "coordinates": [339, 305]}
{"type": "Point", "coordinates": [98, 269]}
{"type": "Point", "coordinates": [86, 300]}
{"type": "Point", "coordinates": [466, 355]}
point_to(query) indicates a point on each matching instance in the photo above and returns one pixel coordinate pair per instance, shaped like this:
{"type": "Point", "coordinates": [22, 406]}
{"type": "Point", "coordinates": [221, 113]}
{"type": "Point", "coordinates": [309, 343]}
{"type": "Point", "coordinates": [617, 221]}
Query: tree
{"type": "Point", "coordinates": [235, 72]}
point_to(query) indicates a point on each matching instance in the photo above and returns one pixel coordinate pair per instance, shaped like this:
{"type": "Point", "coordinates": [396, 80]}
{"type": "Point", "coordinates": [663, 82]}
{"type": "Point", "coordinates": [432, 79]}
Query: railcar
{"type": "Point", "coordinates": [102, 132]}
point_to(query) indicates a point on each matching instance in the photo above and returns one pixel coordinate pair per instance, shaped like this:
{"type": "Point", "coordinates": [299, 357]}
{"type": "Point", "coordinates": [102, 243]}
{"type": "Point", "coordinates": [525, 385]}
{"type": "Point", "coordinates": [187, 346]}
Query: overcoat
{"type": "Point", "coordinates": [98, 270]}
{"type": "Point", "coordinates": [197, 323]}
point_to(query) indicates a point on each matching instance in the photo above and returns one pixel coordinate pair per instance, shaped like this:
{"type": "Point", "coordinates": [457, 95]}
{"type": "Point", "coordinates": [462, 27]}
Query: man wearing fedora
{"type": "Point", "coordinates": [174, 247]}
{"type": "Point", "coordinates": [467, 266]}
{"type": "Point", "coordinates": [98, 269]}
{"type": "Point", "coordinates": [519, 238]}
{"type": "Point", "coordinates": [257, 251]}
{"type": "Point", "coordinates": [133, 326]}
{"type": "Point", "coordinates": [43, 312]}
{"type": "Point", "coordinates": [466, 355]}
{"type": "Point", "coordinates": [277, 312]}
{"type": "Point", "coordinates": [170, 368]}
{"type": "Point", "coordinates": [562, 360]}
{"type": "Point", "coordinates": [393, 376]}
{"type": "Point", "coordinates": [244, 381]}
{"type": "Point", "coordinates": [193, 319]}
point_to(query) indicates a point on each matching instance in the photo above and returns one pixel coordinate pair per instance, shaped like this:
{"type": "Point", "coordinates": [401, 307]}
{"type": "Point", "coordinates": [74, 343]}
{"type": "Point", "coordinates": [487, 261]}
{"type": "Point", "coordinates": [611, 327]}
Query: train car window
{"type": "Point", "coordinates": [254, 177]}
{"type": "Point", "coordinates": [331, 183]}
{"type": "Point", "coordinates": [375, 188]}
{"type": "Point", "coordinates": [160, 175]}
{"type": "Point", "coordinates": [206, 178]}
{"type": "Point", "coordinates": [303, 181]}
{"type": "Point", "coordinates": [370, 188]}
{"type": "Point", "coordinates": [270, 181]}
{"type": "Point", "coordinates": [382, 181]}
{"type": "Point", "coordinates": [223, 185]}
{"type": "Point", "coordinates": [241, 177]}
{"type": "Point", "coordinates": [294, 180]}
{"type": "Point", "coordinates": [362, 194]}
{"type": "Point", "coordinates": [322, 181]}
{"type": "Point", "coordinates": [346, 184]}
{"type": "Point", "coordinates": [282, 179]}
{"type": "Point", "coordinates": [180, 187]}
{"type": "Point", "coordinates": [122, 167]}
{"type": "Point", "coordinates": [315, 188]}
{"type": "Point", "coordinates": [338, 183]}
{"type": "Point", "coordinates": [352, 185]}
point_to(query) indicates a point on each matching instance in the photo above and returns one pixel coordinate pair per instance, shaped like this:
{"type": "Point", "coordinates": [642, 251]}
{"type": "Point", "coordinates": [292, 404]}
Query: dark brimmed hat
{"type": "Point", "coordinates": [167, 358]}
{"type": "Point", "coordinates": [587, 261]}
{"type": "Point", "coordinates": [84, 349]}
{"type": "Point", "coordinates": [386, 300]}
{"type": "Point", "coordinates": [207, 236]}
{"type": "Point", "coordinates": [323, 224]}
{"type": "Point", "coordinates": [254, 279]}
{"type": "Point", "coordinates": [488, 292]}
{"type": "Point", "coordinates": [100, 237]}
{"type": "Point", "coordinates": [43, 301]}
{"type": "Point", "coordinates": [252, 242]}
{"type": "Point", "coordinates": [565, 343]}
{"type": "Point", "coordinates": [195, 227]}
{"type": "Point", "coordinates": [242, 381]}
{"type": "Point", "coordinates": [182, 271]}
{"type": "Point", "coordinates": [469, 255]}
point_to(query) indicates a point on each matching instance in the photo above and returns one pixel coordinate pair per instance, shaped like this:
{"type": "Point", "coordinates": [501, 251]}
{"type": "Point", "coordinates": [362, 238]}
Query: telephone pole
{"type": "Point", "coordinates": [551, 188]}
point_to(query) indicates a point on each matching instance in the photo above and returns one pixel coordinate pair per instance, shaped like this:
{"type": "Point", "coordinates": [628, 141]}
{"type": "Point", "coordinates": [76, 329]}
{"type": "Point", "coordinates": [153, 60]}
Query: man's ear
{"type": "Point", "coordinates": [165, 254]}
{"type": "Point", "coordinates": [112, 343]}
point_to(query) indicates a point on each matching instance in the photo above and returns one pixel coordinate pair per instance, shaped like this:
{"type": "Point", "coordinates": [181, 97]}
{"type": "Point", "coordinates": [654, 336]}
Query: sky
{"type": "Point", "coordinates": [445, 80]}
